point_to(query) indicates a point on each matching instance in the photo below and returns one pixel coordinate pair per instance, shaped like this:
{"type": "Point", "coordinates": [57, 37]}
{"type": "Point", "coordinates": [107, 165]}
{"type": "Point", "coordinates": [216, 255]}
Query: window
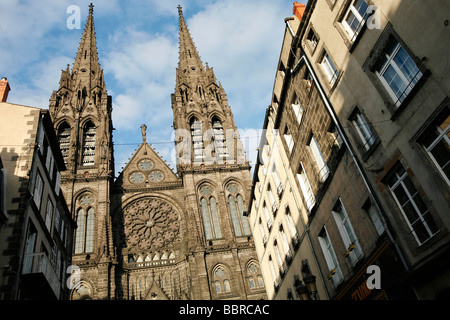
{"type": "Point", "coordinates": [84, 238]}
{"type": "Point", "coordinates": [210, 218]}
{"type": "Point", "coordinates": [253, 271]}
{"type": "Point", "coordinates": [285, 243]}
{"type": "Point", "coordinates": [306, 188]}
{"type": "Point", "coordinates": [335, 275]}
{"type": "Point", "coordinates": [240, 222]}
{"type": "Point", "coordinates": [219, 139]}
{"type": "Point", "coordinates": [262, 231]}
{"type": "Point", "coordinates": [197, 139]}
{"type": "Point", "coordinates": [30, 245]}
{"type": "Point", "coordinates": [218, 287]}
{"type": "Point", "coordinates": [221, 280]}
{"type": "Point", "coordinates": [50, 162]}
{"type": "Point", "coordinates": [374, 216]}
{"type": "Point", "coordinates": [298, 109]}
{"type": "Point", "coordinates": [275, 277]}
{"type": "Point", "coordinates": [49, 214]}
{"type": "Point", "coordinates": [354, 252]}
{"type": "Point", "coordinates": [397, 71]}
{"type": "Point", "coordinates": [276, 178]}
{"type": "Point", "coordinates": [38, 190]}
{"type": "Point", "coordinates": [320, 161]}
{"type": "Point", "coordinates": [291, 225]}
{"type": "Point", "coordinates": [226, 286]}
{"type": "Point", "coordinates": [89, 137]}
{"type": "Point", "coordinates": [64, 140]}
{"type": "Point", "coordinates": [268, 217]}
{"type": "Point", "coordinates": [281, 264]}
{"type": "Point", "coordinates": [363, 129]}
{"type": "Point", "coordinates": [251, 282]}
{"type": "Point", "coordinates": [273, 202]}
{"type": "Point", "coordinates": [436, 142]}
{"type": "Point", "coordinates": [330, 70]}
{"type": "Point", "coordinates": [288, 138]}
{"type": "Point", "coordinates": [355, 17]}
{"type": "Point", "coordinates": [414, 210]}
{"type": "Point", "coordinates": [312, 40]}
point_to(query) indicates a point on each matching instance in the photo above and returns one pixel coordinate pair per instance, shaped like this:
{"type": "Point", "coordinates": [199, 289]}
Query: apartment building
{"type": "Point", "coordinates": [36, 228]}
{"type": "Point", "coordinates": [382, 66]}
{"type": "Point", "coordinates": [351, 131]}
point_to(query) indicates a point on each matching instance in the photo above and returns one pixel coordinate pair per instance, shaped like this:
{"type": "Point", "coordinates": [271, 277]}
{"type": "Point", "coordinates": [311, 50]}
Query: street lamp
{"type": "Point", "coordinates": [307, 291]}
{"type": "Point", "coordinates": [301, 289]}
{"type": "Point", "coordinates": [310, 282]}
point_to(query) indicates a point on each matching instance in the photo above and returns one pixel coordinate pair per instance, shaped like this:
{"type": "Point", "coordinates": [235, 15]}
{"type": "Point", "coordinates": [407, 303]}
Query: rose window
{"type": "Point", "coordinates": [156, 176]}
{"type": "Point", "coordinates": [137, 177]}
{"type": "Point", "coordinates": [146, 165]}
{"type": "Point", "coordinates": [151, 224]}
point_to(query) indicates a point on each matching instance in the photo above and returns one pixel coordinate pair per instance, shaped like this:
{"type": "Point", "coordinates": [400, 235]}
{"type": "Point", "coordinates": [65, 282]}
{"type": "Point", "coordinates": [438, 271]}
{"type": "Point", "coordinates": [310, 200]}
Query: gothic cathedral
{"type": "Point", "coordinates": [152, 233]}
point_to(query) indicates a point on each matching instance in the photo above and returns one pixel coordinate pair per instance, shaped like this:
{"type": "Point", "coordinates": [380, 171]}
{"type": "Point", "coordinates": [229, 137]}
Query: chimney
{"type": "Point", "coordinates": [299, 9]}
{"type": "Point", "coordinates": [4, 89]}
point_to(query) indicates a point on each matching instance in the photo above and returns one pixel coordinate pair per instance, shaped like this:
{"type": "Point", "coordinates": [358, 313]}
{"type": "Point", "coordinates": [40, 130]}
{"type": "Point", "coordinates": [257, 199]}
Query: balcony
{"type": "Point", "coordinates": [38, 275]}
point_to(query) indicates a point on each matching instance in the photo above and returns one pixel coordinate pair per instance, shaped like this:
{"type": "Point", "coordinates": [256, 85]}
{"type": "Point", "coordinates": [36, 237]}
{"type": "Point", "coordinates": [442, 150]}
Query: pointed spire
{"type": "Point", "coordinates": [87, 65]}
{"type": "Point", "coordinates": [189, 57]}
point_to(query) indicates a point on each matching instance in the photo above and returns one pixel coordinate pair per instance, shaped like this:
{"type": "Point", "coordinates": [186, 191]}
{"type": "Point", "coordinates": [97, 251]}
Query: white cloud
{"type": "Point", "coordinates": [138, 49]}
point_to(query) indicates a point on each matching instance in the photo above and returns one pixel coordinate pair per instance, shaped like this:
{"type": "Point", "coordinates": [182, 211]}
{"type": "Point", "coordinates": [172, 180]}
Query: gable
{"type": "Point", "coordinates": [146, 169]}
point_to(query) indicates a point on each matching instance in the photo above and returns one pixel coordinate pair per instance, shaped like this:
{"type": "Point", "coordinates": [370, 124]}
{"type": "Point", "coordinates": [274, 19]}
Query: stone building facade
{"type": "Point", "coordinates": [389, 89]}
{"type": "Point", "coordinates": [36, 228]}
{"type": "Point", "coordinates": [153, 233]}
{"type": "Point", "coordinates": [361, 104]}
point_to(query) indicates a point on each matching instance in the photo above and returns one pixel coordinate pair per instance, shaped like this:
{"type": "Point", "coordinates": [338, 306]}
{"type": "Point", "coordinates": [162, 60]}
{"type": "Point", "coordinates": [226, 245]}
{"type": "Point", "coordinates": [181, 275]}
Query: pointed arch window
{"type": "Point", "coordinates": [221, 280]}
{"type": "Point", "coordinates": [210, 218]}
{"type": "Point", "coordinates": [84, 237]}
{"type": "Point", "coordinates": [219, 138]}
{"type": "Point", "coordinates": [197, 139]}
{"type": "Point", "coordinates": [64, 131]}
{"type": "Point", "coordinates": [89, 137]}
{"type": "Point", "coordinates": [240, 222]}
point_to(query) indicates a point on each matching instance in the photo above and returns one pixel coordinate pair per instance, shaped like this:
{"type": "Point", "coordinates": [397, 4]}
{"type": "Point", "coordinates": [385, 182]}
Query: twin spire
{"type": "Point", "coordinates": [87, 66]}
{"type": "Point", "coordinates": [189, 57]}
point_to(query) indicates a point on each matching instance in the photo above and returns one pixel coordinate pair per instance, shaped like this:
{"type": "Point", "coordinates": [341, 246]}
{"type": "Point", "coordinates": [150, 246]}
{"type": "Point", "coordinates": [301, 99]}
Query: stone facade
{"type": "Point", "coordinates": [153, 233]}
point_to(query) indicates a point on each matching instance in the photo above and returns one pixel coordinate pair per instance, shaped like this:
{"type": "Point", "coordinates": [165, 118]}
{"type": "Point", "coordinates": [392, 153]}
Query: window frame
{"type": "Point", "coordinates": [330, 257]}
{"type": "Point", "coordinates": [442, 137]}
{"type": "Point", "coordinates": [390, 62]}
{"type": "Point", "coordinates": [306, 188]}
{"type": "Point", "coordinates": [38, 190]}
{"type": "Point", "coordinates": [400, 181]}
{"type": "Point", "coordinates": [351, 9]}
{"type": "Point", "coordinates": [323, 169]}
{"type": "Point", "coordinates": [373, 63]}
{"type": "Point", "coordinates": [347, 232]}
{"type": "Point", "coordinates": [329, 68]}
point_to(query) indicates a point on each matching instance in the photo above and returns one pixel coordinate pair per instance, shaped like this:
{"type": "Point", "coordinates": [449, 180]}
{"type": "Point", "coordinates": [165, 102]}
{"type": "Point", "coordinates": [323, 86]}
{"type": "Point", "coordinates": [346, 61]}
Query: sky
{"type": "Point", "coordinates": [137, 42]}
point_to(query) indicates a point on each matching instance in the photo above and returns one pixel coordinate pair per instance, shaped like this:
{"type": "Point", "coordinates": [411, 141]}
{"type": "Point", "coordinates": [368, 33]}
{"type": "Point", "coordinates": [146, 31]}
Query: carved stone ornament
{"type": "Point", "coordinates": [151, 224]}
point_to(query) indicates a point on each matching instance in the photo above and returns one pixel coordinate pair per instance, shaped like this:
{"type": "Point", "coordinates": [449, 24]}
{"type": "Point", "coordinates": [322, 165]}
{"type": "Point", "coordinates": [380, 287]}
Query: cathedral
{"type": "Point", "coordinates": [152, 233]}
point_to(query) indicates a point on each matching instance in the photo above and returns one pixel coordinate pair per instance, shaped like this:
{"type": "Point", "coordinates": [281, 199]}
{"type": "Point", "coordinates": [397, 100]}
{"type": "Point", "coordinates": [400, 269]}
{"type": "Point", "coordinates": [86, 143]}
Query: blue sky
{"type": "Point", "coordinates": [138, 50]}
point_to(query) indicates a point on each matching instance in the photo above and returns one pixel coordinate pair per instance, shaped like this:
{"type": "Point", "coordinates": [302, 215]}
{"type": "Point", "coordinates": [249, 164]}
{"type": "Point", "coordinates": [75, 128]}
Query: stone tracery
{"type": "Point", "coordinates": [151, 223]}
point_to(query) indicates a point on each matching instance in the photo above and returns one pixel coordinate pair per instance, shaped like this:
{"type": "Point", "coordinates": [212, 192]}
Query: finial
{"type": "Point", "coordinates": [180, 11]}
{"type": "Point", "coordinates": [144, 133]}
{"type": "Point", "coordinates": [91, 8]}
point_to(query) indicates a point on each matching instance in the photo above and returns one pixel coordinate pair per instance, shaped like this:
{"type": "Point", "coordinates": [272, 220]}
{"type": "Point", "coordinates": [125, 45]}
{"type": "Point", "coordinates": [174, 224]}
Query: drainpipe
{"type": "Point", "coordinates": [304, 59]}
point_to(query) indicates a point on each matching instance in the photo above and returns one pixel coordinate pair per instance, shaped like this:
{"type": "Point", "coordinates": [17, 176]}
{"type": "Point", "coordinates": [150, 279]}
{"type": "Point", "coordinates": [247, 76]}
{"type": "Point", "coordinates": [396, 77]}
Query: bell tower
{"type": "Point", "coordinates": [216, 176]}
{"type": "Point", "coordinates": [81, 112]}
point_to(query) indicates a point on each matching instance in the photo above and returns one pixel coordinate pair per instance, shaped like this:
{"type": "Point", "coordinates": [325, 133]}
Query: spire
{"type": "Point", "coordinates": [87, 66]}
{"type": "Point", "coordinates": [189, 57]}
